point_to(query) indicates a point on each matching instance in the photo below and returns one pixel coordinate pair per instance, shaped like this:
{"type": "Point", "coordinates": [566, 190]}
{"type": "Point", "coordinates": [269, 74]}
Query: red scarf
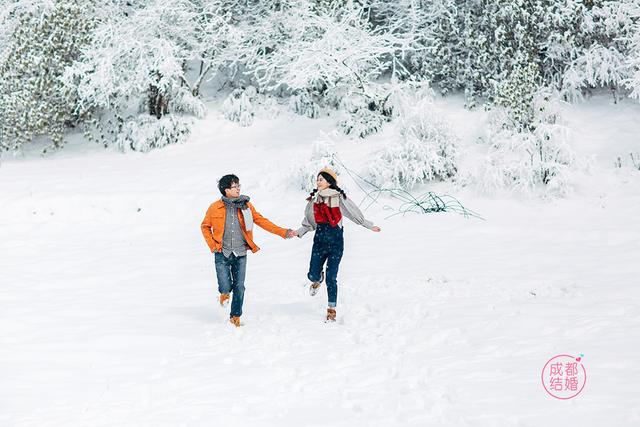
{"type": "Point", "coordinates": [326, 207]}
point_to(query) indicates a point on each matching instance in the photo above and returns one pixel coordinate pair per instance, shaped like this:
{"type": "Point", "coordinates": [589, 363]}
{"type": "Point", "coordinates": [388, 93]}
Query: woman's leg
{"type": "Point", "coordinates": [319, 254]}
{"type": "Point", "coordinates": [336, 249]}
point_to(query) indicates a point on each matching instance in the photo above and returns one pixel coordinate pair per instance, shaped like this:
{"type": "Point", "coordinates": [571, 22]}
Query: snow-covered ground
{"type": "Point", "coordinates": [108, 298]}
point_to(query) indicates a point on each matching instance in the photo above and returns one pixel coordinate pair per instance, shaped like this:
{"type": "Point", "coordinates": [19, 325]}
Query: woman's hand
{"type": "Point", "coordinates": [291, 233]}
{"type": "Point", "coordinates": [376, 229]}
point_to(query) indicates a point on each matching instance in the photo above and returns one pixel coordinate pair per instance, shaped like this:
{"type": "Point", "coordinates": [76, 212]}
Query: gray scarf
{"type": "Point", "coordinates": [241, 203]}
{"type": "Point", "coordinates": [329, 196]}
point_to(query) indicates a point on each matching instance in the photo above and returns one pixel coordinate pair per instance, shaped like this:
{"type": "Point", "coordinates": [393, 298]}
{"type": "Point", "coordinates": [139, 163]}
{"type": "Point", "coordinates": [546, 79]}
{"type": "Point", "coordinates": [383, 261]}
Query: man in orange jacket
{"type": "Point", "coordinates": [227, 228]}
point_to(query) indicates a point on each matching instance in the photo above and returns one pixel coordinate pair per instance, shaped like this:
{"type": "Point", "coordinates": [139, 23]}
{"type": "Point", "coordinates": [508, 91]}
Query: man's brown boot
{"type": "Point", "coordinates": [236, 321]}
{"type": "Point", "coordinates": [224, 300]}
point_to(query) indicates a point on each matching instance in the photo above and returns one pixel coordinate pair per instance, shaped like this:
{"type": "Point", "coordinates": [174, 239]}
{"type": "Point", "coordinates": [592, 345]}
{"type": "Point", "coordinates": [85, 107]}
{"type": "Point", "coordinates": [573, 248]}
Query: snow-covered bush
{"type": "Point", "coordinates": [46, 38]}
{"type": "Point", "coordinates": [302, 103]}
{"type": "Point", "coordinates": [401, 99]}
{"type": "Point", "coordinates": [303, 173]}
{"type": "Point", "coordinates": [266, 106]}
{"type": "Point", "coordinates": [522, 162]}
{"type": "Point", "coordinates": [362, 122]}
{"type": "Point", "coordinates": [238, 108]}
{"type": "Point", "coordinates": [145, 132]}
{"type": "Point", "coordinates": [242, 105]}
{"type": "Point", "coordinates": [633, 161]}
{"type": "Point", "coordinates": [516, 95]}
{"type": "Point", "coordinates": [426, 150]}
{"type": "Point", "coordinates": [525, 157]}
{"type": "Point", "coordinates": [597, 66]}
{"type": "Point", "coordinates": [364, 113]}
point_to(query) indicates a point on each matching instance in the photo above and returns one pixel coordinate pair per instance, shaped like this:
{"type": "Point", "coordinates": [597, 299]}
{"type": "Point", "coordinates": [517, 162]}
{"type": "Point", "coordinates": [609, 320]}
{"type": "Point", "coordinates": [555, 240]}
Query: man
{"type": "Point", "coordinates": [228, 230]}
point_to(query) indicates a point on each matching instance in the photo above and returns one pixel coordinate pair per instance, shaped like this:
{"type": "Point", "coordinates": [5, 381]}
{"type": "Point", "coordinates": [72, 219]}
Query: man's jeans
{"type": "Point", "coordinates": [230, 272]}
{"type": "Point", "coordinates": [328, 245]}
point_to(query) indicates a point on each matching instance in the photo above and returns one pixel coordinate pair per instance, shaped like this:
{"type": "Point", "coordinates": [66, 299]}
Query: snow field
{"type": "Point", "coordinates": [109, 309]}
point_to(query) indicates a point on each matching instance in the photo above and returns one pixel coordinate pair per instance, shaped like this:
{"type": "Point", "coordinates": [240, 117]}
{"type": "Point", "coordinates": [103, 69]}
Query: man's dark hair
{"type": "Point", "coordinates": [226, 182]}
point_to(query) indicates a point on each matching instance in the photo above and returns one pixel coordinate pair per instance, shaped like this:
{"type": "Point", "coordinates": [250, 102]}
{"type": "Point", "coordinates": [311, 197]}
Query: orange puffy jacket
{"type": "Point", "coordinates": [213, 226]}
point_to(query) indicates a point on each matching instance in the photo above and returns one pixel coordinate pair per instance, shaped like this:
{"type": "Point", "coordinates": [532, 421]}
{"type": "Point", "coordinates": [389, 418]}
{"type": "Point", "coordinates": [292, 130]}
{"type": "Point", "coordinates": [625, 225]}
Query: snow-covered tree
{"type": "Point", "coordinates": [601, 48]}
{"type": "Point", "coordinates": [45, 38]}
{"type": "Point", "coordinates": [318, 53]}
{"type": "Point", "coordinates": [254, 30]}
{"type": "Point", "coordinates": [435, 57]}
{"type": "Point", "coordinates": [474, 44]}
{"type": "Point", "coordinates": [335, 46]}
{"type": "Point", "coordinates": [140, 61]}
{"type": "Point", "coordinates": [328, 49]}
{"type": "Point", "coordinates": [141, 57]}
{"type": "Point", "coordinates": [217, 40]}
{"type": "Point", "coordinates": [153, 57]}
{"type": "Point", "coordinates": [633, 60]}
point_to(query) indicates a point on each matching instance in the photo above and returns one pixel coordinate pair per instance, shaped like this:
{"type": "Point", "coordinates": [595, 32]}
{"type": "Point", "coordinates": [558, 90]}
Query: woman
{"type": "Point", "coordinates": [325, 208]}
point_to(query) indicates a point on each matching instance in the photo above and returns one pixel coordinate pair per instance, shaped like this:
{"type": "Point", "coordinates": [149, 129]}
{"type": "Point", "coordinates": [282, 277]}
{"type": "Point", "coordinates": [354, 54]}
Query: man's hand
{"type": "Point", "coordinates": [376, 229]}
{"type": "Point", "coordinates": [291, 233]}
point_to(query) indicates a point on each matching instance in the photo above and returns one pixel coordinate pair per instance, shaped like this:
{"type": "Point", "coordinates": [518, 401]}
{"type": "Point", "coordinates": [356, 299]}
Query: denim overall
{"type": "Point", "coordinates": [328, 245]}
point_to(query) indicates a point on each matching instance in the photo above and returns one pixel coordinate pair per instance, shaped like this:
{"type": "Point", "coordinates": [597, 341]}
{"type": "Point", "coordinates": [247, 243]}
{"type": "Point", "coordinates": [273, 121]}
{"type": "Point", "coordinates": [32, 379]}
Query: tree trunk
{"type": "Point", "coordinates": [158, 103]}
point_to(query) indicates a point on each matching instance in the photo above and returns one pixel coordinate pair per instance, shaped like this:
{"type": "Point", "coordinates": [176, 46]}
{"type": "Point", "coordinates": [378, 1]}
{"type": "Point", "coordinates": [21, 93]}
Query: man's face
{"type": "Point", "coordinates": [234, 191]}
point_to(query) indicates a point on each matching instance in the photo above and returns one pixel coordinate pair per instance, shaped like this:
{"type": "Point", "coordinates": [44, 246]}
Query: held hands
{"type": "Point", "coordinates": [291, 233]}
{"type": "Point", "coordinates": [294, 233]}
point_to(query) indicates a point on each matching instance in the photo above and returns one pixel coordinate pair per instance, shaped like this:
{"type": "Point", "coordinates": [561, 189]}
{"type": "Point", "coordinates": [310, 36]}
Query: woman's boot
{"type": "Point", "coordinates": [331, 314]}
{"type": "Point", "coordinates": [315, 286]}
